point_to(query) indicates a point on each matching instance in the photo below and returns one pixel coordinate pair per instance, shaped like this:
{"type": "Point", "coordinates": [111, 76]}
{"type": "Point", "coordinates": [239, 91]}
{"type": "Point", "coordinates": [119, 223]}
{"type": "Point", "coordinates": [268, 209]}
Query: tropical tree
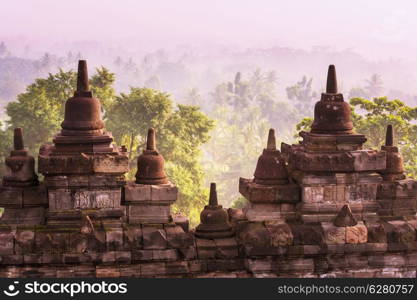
{"type": "Point", "coordinates": [373, 88]}
{"type": "Point", "coordinates": [5, 146]}
{"type": "Point", "coordinates": [181, 131]}
{"type": "Point", "coordinates": [303, 95]}
{"type": "Point", "coordinates": [233, 153]}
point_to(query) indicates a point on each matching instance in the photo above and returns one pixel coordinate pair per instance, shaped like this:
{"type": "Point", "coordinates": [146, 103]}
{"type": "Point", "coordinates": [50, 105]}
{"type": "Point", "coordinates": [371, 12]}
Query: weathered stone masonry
{"type": "Point", "coordinates": [325, 207]}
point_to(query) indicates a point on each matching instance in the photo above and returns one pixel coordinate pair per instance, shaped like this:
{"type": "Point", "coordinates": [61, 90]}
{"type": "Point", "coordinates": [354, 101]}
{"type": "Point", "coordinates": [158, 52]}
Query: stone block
{"type": "Point", "coordinates": [312, 194]}
{"type": "Point", "coordinates": [188, 253]}
{"type": "Point", "coordinates": [60, 199]}
{"type": "Point", "coordinates": [182, 221]}
{"type": "Point", "coordinates": [399, 232]}
{"type": "Point", "coordinates": [356, 234]}
{"type": "Point", "coordinates": [35, 196]}
{"type": "Point", "coordinates": [114, 239]}
{"type": "Point", "coordinates": [307, 234]}
{"type": "Point", "coordinates": [357, 261]}
{"type": "Point", "coordinates": [106, 181]}
{"type": "Point", "coordinates": [165, 255]}
{"type": "Point", "coordinates": [177, 238]}
{"type": "Point", "coordinates": [132, 237]}
{"type": "Point", "coordinates": [129, 271]}
{"type": "Point", "coordinates": [108, 257]}
{"type": "Point", "coordinates": [280, 234]}
{"type": "Point", "coordinates": [13, 259]}
{"type": "Point", "coordinates": [51, 242]}
{"type": "Point", "coordinates": [258, 212]}
{"type": "Point", "coordinates": [57, 181]}
{"type": "Point", "coordinates": [376, 232]}
{"type": "Point", "coordinates": [78, 181]}
{"type": "Point", "coordinates": [260, 265]}
{"type": "Point", "coordinates": [235, 215]}
{"type": "Point", "coordinates": [225, 265]}
{"type": "Point", "coordinates": [83, 164]}
{"type": "Point", "coordinates": [137, 193]}
{"type": "Point", "coordinates": [342, 162]}
{"type": "Point", "coordinates": [73, 258]}
{"type": "Point", "coordinates": [107, 272]}
{"type": "Point", "coordinates": [411, 259]}
{"type": "Point", "coordinates": [308, 179]}
{"type": "Point", "coordinates": [333, 234]}
{"type": "Point", "coordinates": [11, 197]}
{"type": "Point", "coordinates": [153, 269]}
{"type": "Point", "coordinates": [196, 266]}
{"type": "Point", "coordinates": [123, 257]}
{"type": "Point", "coordinates": [142, 255]}
{"type": "Point", "coordinates": [165, 193]}
{"type": "Point", "coordinates": [226, 248]}
{"type": "Point", "coordinates": [27, 215]}
{"type": "Point", "coordinates": [24, 241]}
{"type": "Point", "coordinates": [148, 214]}
{"type": "Point", "coordinates": [52, 258]}
{"type": "Point", "coordinates": [84, 271]}
{"type": "Point", "coordinates": [303, 265]}
{"type": "Point", "coordinates": [96, 199]}
{"type": "Point", "coordinates": [177, 267]}
{"type": "Point", "coordinates": [337, 261]}
{"type": "Point", "coordinates": [257, 193]}
{"type": "Point", "coordinates": [206, 249]}
{"type": "Point", "coordinates": [387, 260]}
{"type": "Point", "coordinates": [406, 188]}
{"type": "Point", "coordinates": [6, 242]}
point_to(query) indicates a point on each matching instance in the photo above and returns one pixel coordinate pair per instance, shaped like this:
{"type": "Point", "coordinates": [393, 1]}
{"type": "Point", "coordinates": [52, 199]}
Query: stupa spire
{"type": "Point", "coordinates": [271, 144]}
{"type": "Point", "coordinates": [389, 138]}
{"type": "Point", "coordinates": [18, 139]}
{"type": "Point", "coordinates": [83, 88]}
{"type": "Point", "coordinates": [150, 142]}
{"type": "Point", "coordinates": [331, 86]}
{"type": "Point", "coordinates": [213, 195]}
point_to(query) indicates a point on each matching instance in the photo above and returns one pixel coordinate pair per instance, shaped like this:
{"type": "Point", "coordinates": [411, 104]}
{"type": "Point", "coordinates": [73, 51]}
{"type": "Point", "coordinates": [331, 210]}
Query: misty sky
{"type": "Point", "coordinates": [381, 28]}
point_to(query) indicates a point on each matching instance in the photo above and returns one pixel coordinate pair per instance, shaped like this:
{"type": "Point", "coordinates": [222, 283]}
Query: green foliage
{"type": "Point", "coordinates": [233, 153]}
{"type": "Point", "coordinates": [132, 114]}
{"type": "Point", "coordinates": [303, 95]}
{"type": "Point", "coordinates": [244, 111]}
{"type": "Point", "coordinates": [373, 88]}
{"type": "Point", "coordinates": [371, 118]}
{"type": "Point", "coordinates": [241, 94]}
{"type": "Point", "coordinates": [180, 134]}
{"type": "Point", "coordinates": [240, 202]}
{"type": "Point", "coordinates": [5, 146]}
{"type": "Point", "coordinates": [102, 86]}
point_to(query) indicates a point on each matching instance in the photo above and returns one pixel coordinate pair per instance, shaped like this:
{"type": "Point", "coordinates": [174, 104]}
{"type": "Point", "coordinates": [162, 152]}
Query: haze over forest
{"type": "Point", "coordinates": [199, 51]}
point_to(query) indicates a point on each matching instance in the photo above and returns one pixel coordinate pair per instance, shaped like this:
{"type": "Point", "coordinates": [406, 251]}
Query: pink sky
{"type": "Point", "coordinates": [372, 27]}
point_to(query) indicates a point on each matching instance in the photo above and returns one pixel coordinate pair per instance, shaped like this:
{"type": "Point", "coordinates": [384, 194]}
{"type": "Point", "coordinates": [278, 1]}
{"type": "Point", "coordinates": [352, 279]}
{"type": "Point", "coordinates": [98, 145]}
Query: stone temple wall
{"type": "Point", "coordinates": [325, 207]}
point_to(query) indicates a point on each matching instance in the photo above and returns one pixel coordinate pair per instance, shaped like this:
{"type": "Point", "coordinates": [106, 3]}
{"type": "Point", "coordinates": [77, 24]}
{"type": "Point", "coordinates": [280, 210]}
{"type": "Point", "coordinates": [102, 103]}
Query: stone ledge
{"type": "Point", "coordinates": [150, 194]}
{"type": "Point", "coordinates": [83, 164]}
{"type": "Point", "coordinates": [351, 161]}
{"type": "Point", "coordinates": [257, 193]}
